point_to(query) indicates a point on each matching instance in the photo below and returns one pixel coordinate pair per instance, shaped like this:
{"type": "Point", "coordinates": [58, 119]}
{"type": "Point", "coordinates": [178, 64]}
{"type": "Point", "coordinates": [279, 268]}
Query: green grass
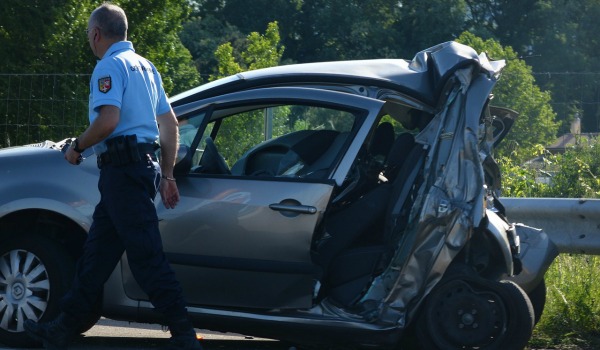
{"type": "Point", "coordinates": [571, 318]}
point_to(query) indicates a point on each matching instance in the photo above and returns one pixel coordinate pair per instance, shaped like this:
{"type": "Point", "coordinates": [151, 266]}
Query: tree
{"type": "Point", "coordinates": [553, 36]}
{"type": "Point", "coordinates": [202, 35]}
{"type": "Point", "coordinates": [49, 37]}
{"type": "Point", "coordinates": [326, 30]}
{"type": "Point", "coordinates": [517, 90]}
{"type": "Point", "coordinates": [508, 21]}
{"type": "Point", "coordinates": [425, 23]}
{"type": "Point", "coordinates": [24, 30]}
{"type": "Point", "coordinates": [232, 20]}
{"type": "Point", "coordinates": [260, 51]}
{"type": "Point", "coordinates": [321, 30]}
{"type": "Point", "coordinates": [153, 28]}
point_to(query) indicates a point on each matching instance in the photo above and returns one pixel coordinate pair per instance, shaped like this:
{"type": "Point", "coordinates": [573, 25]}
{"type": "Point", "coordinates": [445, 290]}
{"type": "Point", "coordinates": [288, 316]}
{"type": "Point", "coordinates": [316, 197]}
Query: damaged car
{"type": "Point", "coordinates": [351, 203]}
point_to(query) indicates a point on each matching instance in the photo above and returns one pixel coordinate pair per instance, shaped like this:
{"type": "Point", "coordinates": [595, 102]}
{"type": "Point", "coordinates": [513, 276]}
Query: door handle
{"type": "Point", "coordinates": [294, 208]}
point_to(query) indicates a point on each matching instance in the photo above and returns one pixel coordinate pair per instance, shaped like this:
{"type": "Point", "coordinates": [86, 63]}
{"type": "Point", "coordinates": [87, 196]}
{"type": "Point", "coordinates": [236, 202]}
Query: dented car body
{"type": "Point", "coordinates": [352, 203]}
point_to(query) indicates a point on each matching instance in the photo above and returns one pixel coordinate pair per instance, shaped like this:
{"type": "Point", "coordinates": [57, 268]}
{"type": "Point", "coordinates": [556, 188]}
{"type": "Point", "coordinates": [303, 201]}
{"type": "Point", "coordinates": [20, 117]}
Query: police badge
{"type": "Point", "coordinates": [104, 84]}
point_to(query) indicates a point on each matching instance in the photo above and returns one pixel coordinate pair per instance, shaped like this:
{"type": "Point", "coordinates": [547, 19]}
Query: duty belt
{"type": "Point", "coordinates": [143, 149]}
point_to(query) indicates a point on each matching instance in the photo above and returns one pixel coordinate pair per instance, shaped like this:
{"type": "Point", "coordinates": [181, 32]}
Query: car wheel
{"type": "Point", "coordinates": [538, 299]}
{"type": "Point", "coordinates": [475, 314]}
{"type": "Point", "coordinates": [35, 272]}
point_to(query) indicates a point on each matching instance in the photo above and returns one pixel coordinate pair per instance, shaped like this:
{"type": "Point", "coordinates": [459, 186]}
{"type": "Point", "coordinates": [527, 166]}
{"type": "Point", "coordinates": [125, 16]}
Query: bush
{"type": "Point", "coordinates": [571, 317]}
{"type": "Point", "coordinates": [572, 313]}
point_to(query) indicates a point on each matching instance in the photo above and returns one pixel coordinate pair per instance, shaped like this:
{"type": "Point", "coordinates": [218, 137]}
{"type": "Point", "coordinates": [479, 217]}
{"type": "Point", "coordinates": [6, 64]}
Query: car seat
{"type": "Point", "coordinates": [379, 148]}
{"type": "Point", "coordinates": [399, 151]}
{"type": "Point", "coordinates": [358, 239]}
{"type": "Point", "coordinates": [370, 162]}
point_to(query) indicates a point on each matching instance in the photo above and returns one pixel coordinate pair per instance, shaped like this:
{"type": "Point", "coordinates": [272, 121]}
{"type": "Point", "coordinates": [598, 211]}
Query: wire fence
{"type": "Point", "coordinates": [39, 107]}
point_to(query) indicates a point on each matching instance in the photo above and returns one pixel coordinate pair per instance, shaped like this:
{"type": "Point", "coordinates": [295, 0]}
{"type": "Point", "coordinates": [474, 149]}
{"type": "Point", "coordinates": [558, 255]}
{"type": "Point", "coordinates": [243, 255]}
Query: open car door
{"type": "Point", "coordinates": [264, 165]}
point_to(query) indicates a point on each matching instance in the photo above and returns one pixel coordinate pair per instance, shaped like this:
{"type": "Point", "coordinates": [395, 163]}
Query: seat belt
{"type": "Point", "coordinates": [409, 171]}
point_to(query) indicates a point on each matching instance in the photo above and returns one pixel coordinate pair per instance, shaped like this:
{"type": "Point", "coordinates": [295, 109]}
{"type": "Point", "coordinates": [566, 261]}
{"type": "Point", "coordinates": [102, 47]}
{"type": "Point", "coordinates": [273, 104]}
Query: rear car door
{"type": "Point", "coordinates": [241, 235]}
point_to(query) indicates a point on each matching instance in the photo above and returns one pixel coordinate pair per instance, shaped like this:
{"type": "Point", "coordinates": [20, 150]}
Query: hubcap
{"type": "Point", "coordinates": [24, 289]}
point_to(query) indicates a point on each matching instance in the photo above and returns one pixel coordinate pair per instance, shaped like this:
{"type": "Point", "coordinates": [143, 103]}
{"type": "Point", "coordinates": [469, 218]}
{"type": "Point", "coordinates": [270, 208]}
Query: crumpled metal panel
{"type": "Point", "coordinates": [449, 202]}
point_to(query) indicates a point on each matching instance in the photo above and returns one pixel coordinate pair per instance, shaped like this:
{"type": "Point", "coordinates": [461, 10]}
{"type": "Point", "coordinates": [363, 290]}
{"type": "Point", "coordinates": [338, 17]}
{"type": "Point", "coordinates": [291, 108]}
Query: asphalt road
{"type": "Point", "coordinates": [116, 335]}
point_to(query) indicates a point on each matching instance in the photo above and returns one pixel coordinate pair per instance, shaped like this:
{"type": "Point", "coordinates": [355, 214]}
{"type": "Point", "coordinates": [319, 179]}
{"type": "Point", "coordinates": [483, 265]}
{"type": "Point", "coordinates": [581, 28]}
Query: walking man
{"type": "Point", "coordinates": [128, 106]}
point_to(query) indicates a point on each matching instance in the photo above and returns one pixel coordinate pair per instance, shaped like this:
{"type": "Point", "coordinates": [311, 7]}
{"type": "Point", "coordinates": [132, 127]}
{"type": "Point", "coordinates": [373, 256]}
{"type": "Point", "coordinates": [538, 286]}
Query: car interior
{"type": "Point", "coordinates": [355, 241]}
{"type": "Point", "coordinates": [359, 234]}
{"type": "Point", "coordinates": [303, 141]}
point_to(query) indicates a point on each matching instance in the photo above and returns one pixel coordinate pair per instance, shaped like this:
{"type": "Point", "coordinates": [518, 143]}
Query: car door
{"type": "Point", "coordinates": [242, 237]}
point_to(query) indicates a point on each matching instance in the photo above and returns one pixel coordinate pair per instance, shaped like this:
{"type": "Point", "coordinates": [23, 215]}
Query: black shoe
{"type": "Point", "coordinates": [53, 335]}
{"type": "Point", "coordinates": [183, 335]}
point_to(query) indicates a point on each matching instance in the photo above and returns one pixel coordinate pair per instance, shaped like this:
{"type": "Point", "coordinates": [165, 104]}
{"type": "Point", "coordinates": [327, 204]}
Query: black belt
{"type": "Point", "coordinates": [143, 149]}
{"type": "Point", "coordinates": [147, 148]}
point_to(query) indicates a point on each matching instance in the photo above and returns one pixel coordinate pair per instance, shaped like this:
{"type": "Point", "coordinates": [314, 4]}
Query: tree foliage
{"type": "Point", "coordinates": [203, 35]}
{"type": "Point", "coordinates": [49, 37]}
{"type": "Point", "coordinates": [517, 90]}
{"type": "Point", "coordinates": [553, 36]}
{"type": "Point", "coordinates": [422, 24]}
{"type": "Point", "coordinates": [572, 174]}
{"type": "Point", "coordinates": [24, 31]}
{"type": "Point", "coordinates": [259, 51]}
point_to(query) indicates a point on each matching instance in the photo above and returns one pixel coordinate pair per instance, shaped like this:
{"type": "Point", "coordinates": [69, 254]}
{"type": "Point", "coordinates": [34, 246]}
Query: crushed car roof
{"type": "Point", "coordinates": [423, 77]}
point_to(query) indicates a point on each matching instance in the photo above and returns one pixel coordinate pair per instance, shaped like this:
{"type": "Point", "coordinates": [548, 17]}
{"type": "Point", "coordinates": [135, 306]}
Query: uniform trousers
{"type": "Point", "coordinates": [125, 220]}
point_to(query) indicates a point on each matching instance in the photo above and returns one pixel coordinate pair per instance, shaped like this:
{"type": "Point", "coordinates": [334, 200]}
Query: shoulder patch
{"type": "Point", "coordinates": [104, 84]}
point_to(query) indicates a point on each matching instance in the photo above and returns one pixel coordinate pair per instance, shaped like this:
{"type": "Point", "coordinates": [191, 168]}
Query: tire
{"type": "Point", "coordinates": [475, 314]}
{"type": "Point", "coordinates": [35, 272]}
{"type": "Point", "coordinates": [523, 320]}
{"type": "Point", "coordinates": [538, 300]}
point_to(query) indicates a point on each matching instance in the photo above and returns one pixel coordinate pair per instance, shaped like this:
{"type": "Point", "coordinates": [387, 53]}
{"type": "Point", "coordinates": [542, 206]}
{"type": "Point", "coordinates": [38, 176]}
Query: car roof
{"type": "Point", "coordinates": [422, 78]}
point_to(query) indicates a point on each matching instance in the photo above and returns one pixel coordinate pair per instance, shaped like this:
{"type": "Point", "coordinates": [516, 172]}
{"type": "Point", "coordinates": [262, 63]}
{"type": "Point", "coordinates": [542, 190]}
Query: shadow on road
{"type": "Point", "coordinates": [124, 343]}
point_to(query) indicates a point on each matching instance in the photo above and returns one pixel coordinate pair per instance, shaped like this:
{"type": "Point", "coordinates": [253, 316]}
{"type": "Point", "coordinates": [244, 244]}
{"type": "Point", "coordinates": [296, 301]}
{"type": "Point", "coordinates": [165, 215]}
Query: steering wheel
{"type": "Point", "coordinates": [212, 162]}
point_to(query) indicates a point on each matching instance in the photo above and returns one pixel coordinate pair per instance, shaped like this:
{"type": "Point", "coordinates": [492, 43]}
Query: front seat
{"type": "Point", "coordinates": [381, 144]}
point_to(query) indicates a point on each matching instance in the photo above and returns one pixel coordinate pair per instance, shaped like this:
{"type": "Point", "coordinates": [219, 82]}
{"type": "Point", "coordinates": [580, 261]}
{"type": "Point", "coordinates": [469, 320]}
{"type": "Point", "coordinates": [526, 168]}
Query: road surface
{"type": "Point", "coordinates": [117, 335]}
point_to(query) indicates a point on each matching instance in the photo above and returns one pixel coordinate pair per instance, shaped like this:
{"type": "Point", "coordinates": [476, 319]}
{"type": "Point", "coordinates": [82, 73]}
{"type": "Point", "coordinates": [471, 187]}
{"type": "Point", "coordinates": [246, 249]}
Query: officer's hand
{"type": "Point", "coordinates": [73, 157]}
{"type": "Point", "coordinates": [169, 193]}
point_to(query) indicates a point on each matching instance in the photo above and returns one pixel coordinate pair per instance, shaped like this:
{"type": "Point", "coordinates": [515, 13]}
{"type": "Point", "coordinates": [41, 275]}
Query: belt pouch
{"type": "Point", "coordinates": [132, 147]}
{"type": "Point", "coordinates": [123, 150]}
{"type": "Point", "coordinates": [115, 148]}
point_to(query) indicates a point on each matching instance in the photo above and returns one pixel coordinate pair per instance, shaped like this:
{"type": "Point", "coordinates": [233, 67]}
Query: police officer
{"type": "Point", "coordinates": [127, 108]}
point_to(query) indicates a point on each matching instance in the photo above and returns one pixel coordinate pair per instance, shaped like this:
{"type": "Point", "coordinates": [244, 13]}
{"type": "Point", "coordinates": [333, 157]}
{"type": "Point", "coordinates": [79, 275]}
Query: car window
{"type": "Point", "coordinates": [188, 130]}
{"type": "Point", "coordinates": [287, 140]}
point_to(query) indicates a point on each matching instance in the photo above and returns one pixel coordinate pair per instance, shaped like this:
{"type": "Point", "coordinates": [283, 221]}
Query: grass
{"type": "Point", "coordinates": [571, 318]}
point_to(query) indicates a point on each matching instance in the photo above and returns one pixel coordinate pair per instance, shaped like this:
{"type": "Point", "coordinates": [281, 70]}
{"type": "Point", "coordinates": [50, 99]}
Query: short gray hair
{"type": "Point", "coordinates": [111, 20]}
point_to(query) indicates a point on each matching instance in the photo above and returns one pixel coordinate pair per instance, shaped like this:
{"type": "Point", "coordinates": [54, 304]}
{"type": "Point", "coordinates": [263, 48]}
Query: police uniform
{"type": "Point", "coordinates": [125, 79]}
{"type": "Point", "coordinates": [125, 219]}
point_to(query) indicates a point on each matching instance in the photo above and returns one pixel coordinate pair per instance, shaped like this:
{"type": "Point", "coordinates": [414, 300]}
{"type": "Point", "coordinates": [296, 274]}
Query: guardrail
{"type": "Point", "coordinates": [572, 224]}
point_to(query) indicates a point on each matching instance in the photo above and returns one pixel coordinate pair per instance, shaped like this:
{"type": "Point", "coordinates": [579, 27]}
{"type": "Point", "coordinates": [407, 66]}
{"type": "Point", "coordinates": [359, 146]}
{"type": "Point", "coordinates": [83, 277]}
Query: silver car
{"type": "Point", "coordinates": [352, 203]}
